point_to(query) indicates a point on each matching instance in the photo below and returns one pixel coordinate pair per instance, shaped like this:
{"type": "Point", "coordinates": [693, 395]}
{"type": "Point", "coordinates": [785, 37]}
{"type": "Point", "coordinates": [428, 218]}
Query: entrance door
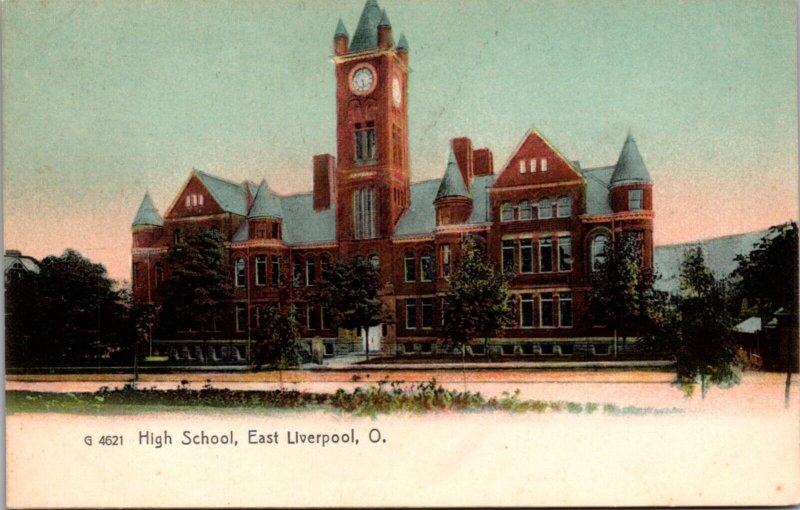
{"type": "Point", "coordinates": [372, 337]}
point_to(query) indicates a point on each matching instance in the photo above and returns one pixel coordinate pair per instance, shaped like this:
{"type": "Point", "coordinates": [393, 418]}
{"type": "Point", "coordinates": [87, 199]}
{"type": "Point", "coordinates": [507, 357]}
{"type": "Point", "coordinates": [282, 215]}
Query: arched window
{"type": "Point", "coordinates": [426, 266]}
{"type": "Point", "coordinates": [545, 209]}
{"type": "Point", "coordinates": [598, 250]}
{"type": "Point", "coordinates": [524, 210]}
{"type": "Point", "coordinates": [311, 272]}
{"type": "Point", "coordinates": [241, 276]}
{"type": "Point", "coordinates": [410, 266]}
{"type": "Point", "coordinates": [374, 262]}
{"type": "Point", "coordinates": [297, 271]}
{"type": "Point", "coordinates": [506, 212]}
{"type": "Point", "coordinates": [564, 207]}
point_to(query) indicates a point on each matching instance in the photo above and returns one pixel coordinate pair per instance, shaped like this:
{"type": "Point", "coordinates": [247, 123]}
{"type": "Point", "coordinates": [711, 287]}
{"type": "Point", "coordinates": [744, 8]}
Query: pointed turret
{"type": "Point", "coordinates": [341, 31]}
{"type": "Point", "coordinates": [147, 215]}
{"type": "Point", "coordinates": [265, 204]}
{"type": "Point", "coordinates": [452, 184]}
{"type": "Point", "coordinates": [385, 40]}
{"type": "Point", "coordinates": [402, 44]}
{"type": "Point", "coordinates": [384, 22]}
{"type": "Point", "coordinates": [340, 39]}
{"type": "Point", "coordinates": [630, 166]}
{"type": "Point", "coordinates": [366, 34]}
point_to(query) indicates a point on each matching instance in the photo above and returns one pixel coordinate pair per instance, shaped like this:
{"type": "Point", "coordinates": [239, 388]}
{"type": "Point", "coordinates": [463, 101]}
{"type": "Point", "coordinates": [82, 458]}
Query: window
{"type": "Point", "coordinates": [522, 166]}
{"type": "Point", "coordinates": [325, 316]}
{"type": "Point", "coordinates": [635, 200]}
{"type": "Point", "coordinates": [411, 314]}
{"type": "Point", "coordinates": [509, 264]}
{"type": "Point", "coordinates": [446, 265]}
{"type": "Point", "coordinates": [188, 200]}
{"type": "Point", "coordinates": [526, 255]}
{"type": "Point", "coordinates": [546, 309]}
{"type": "Point", "coordinates": [526, 311]}
{"type": "Point", "coordinates": [545, 255]}
{"type": "Point", "coordinates": [324, 264]}
{"type": "Point", "coordinates": [524, 210]}
{"type": "Point", "coordinates": [426, 267]}
{"type": "Point", "coordinates": [410, 267]}
{"type": "Point", "coordinates": [545, 209]}
{"type": "Point", "coordinates": [506, 212]}
{"type": "Point", "coordinates": [261, 270]}
{"type": "Point", "coordinates": [240, 269]}
{"type": "Point", "coordinates": [544, 164]}
{"type": "Point", "coordinates": [297, 272]}
{"type": "Point", "coordinates": [364, 213]}
{"type": "Point", "coordinates": [276, 230]}
{"type": "Point", "coordinates": [159, 274]}
{"type": "Point", "coordinates": [176, 236]}
{"type": "Point", "coordinates": [277, 262]}
{"type": "Point", "coordinates": [565, 309]}
{"type": "Point", "coordinates": [533, 165]}
{"type": "Point", "coordinates": [312, 316]}
{"type": "Point", "coordinates": [374, 262]}
{"type": "Point", "coordinates": [427, 313]}
{"type": "Point", "coordinates": [565, 253]}
{"type": "Point", "coordinates": [241, 316]}
{"type": "Point", "coordinates": [366, 146]}
{"type": "Point", "coordinates": [311, 272]}
{"type": "Point", "coordinates": [564, 207]}
{"type": "Point", "coordinates": [598, 249]}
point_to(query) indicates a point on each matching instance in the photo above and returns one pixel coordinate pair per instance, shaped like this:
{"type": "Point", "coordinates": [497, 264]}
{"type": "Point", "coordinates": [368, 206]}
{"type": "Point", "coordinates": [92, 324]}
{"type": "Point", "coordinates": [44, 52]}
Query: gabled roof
{"type": "Point", "coordinates": [229, 195]}
{"type": "Point", "coordinates": [340, 30]}
{"type": "Point", "coordinates": [265, 204]}
{"type": "Point", "coordinates": [366, 34]}
{"type": "Point", "coordinates": [19, 261]}
{"type": "Point", "coordinates": [452, 184]}
{"type": "Point", "coordinates": [630, 166]}
{"type": "Point", "coordinates": [147, 213]}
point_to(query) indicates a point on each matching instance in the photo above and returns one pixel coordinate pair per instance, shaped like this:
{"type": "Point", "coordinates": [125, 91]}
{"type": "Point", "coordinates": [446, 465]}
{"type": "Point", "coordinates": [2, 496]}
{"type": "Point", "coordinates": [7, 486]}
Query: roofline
{"type": "Point", "coordinates": [726, 236]}
{"type": "Point", "coordinates": [534, 131]}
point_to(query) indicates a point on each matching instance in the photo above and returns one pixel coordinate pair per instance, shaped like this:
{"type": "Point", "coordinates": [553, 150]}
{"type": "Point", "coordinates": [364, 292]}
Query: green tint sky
{"type": "Point", "coordinates": [104, 100]}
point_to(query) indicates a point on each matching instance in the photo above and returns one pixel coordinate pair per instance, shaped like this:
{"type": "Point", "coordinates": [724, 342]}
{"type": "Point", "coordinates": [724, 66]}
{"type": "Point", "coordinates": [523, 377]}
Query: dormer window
{"type": "Point", "coordinates": [194, 200]}
{"type": "Point", "coordinates": [635, 198]}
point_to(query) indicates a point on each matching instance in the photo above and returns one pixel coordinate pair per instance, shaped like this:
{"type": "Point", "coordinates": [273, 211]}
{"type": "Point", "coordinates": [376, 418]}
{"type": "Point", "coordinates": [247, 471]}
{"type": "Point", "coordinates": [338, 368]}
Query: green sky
{"type": "Point", "coordinates": [104, 100]}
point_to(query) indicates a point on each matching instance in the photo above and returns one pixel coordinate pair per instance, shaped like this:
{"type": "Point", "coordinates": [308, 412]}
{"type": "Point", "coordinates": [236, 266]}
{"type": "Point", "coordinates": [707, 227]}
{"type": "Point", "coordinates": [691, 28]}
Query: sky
{"type": "Point", "coordinates": [105, 100]}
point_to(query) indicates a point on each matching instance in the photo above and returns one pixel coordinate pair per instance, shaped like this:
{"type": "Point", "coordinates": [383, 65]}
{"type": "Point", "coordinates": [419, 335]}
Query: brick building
{"type": "Point", "coordinates": [542, 217]}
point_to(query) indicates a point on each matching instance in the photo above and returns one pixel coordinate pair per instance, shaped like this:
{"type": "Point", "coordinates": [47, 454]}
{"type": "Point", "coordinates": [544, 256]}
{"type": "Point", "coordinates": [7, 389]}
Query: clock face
{"type": "Point", "coordinates": [362, 80]}
{"type": "Point", "coordinates": [397, 94]}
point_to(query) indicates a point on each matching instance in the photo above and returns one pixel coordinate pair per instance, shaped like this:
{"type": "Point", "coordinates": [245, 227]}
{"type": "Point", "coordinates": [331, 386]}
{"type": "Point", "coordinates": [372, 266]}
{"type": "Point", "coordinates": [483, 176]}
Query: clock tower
{"type": "Point", "coordinates": [372, 179]}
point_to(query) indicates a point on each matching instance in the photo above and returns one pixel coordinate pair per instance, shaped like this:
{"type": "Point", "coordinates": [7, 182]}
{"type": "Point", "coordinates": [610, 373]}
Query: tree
{"type": "Point", "coordinates": [622, 290]}
{"type": "Point", "coordinates": [698, 327]}
{"type": "Point", "coordinates": [68, 313]}
{"type": "Point", "coordinates": [350, 291]}
{"type": "Point", "coordinates": [276, 337]}
{"type": "Point", "coordinates": [767, 278]}
{"type": "Point", "coordinates": [196, 289]}
{"type": "Point", "coordinates": [478, 302]}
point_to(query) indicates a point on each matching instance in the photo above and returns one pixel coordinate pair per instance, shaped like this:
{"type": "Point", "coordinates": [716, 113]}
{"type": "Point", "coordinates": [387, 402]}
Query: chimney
{"type": "Point", "coordinates": [483, 162]}
{"type": "Point", "coordinates": [324, 181]}
{"type": "Point", "coordinates": [462, 147]}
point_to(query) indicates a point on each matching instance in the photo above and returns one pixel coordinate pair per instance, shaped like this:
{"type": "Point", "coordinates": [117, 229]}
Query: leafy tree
{"type": "Point", "coordinates": [350, 291]}
{"type": "Point", "coordinates": [622, 294]}
{"type": "Point", "coordinates": [697, 327]}
{"type": "Point", "coordinates": [478, 302]}
{"type": "Point", "coordinates": [196, 289]}
{"type": "Point", "coordinates": [68, 313]}
{"type": "Point", "coordinates": [276, 337]}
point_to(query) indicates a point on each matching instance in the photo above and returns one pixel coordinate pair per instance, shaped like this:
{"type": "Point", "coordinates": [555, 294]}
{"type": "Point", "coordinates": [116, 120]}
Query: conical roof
{"type": "Point", "coordinates": [366, 35]}
{"type": "Point", "coordinates": [452, 184]}
{"type": "Point", "coordinates": [630, 166]}
{"type": "Point", "coordinates": [402, 44]}
{"type": "Point", "coordinates": [265, 204]}
{"type": "Point", "coordinates": [384, 22]}
{"type": "Point", "coordinates": [340, 30]}
{"type": "Point", "coordinates": [147, 214]}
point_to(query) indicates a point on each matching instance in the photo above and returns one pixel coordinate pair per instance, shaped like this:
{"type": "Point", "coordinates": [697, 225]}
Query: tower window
{"type": "Point", "coordinates": [635, 200]}
{"type": "Point", "coordinates": [366, 144]}
{"type": "Point", "coordinates": [277, 262]}
{"type": "Point", "coordinates": [446, 265]}
{"type": "Point", "coordinates": [364, 213]}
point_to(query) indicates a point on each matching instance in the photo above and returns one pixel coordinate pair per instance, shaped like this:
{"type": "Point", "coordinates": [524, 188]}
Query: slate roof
{"type": "Point", "coordinates": [27, 263]}
{"type": "Point", "coordinates": [265, 204]}
{"type": "Point", "coordinates": [304, 225]}
{"type": "Point", "coordinates": [598, 200]}
{"type": "Point", "coordinates": [402, 44]}
{"type": "Point", "coordinates": [420, 218]}
{"type": "Point", "coordinates": [147, 213]}
{"type": "Point", "coordinates": [630, 166]}
{"type": "Point", "coordinates": [452, 184]}
{"type": "Point", "coordinates": [340, 29]}
{"type": "Point", "coordinates": [229, 195]}
{"type": "Point", "coordinates": [384, 22]}
{"type": "Point", "coordinates": [366, 34]}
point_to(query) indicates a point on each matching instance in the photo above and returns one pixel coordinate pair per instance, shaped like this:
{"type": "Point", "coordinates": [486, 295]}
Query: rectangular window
{"type": "Point", "coordinates": [427, 313]}
{"type": "Point", "coordinates": [525, 210]}
{"type": "Point", "coordinates": [297, 272]}
{"type": "Point", "coordinates": [526, 311]}
{"type": "Point", "coordinates": [410, 267]}
{"type": "Point", "coordinates": [366, 143]}
{"type": "Point", "coordinates": [544, 164]}
{"type": "Point", "coordinates": [545, 255]}
{"type": "Point", "coordinates": [565, 309]}
{"type": "Point", "coordinates": [426, 267]}
{"type": "Point", "coordinates": [364, 213]}
{"type": "Point", "coordinates": [311, 272]}
{"type": "Point", "coordinates": [526, 255]}
{"type": "Point", "coordinates": [565, 253]}
{"type": "Point", "coordinates": [277, 262]}
{"type": "Point", "coordinates": [635, 200]}
{"type": "Point", "coordinates": [241, 272]}
{"type": "Point", "coordinates": [261, 269]}
{"type": "Point", "coordinates": [446, 266]}
{"type": "Point", "coordinates": [325, 318]}
{"type": "Point", "coordinates": [312, 317]}
{"type": "Point", "coordinates": [509, 264]}
{"type": "Point", "coordinates": [522, 166]}
{"type": "Point", "coordinates": [241, 317]}
{"type": "Point", "coordinates": [276, 231]}
{"type": "Point", "coordinates": [533, 165]}
{"type": "Point", "coordinates": [411, 314]}
{"type": "Point", "coordinates": [546, 309]}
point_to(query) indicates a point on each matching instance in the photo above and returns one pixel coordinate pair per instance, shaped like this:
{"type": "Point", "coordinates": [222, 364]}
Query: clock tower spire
{"type": "Point", "coordinates": [372, 178]}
